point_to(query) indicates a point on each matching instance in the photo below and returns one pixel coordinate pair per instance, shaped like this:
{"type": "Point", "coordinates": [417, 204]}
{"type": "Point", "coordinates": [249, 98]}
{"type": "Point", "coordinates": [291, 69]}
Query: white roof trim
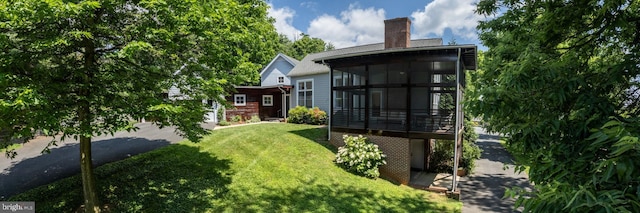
{"type": "Point", "coordinates": [285, 57]}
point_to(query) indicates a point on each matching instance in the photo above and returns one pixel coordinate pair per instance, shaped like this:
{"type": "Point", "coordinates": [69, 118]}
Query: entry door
{"type": "Point", "coordinates": [286, 105]}
{"type": "Point", "coordinates": [417, 154]}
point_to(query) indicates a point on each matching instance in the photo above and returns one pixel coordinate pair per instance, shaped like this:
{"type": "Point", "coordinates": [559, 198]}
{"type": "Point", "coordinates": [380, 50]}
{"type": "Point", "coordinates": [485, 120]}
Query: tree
{"type": "Point", "coordinates": [299, 48]}
{"type": "Point", "coordinates": [560, 78]}
{"type": "Point", "coordinates": [85, 68]}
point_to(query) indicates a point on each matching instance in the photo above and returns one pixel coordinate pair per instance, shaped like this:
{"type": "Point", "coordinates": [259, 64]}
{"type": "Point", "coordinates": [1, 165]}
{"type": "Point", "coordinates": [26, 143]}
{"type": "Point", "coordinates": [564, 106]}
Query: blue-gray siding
{"type": "Point", "coordinates": [321, 91]}
{"type": "Point", "coordinates": [280, 68]}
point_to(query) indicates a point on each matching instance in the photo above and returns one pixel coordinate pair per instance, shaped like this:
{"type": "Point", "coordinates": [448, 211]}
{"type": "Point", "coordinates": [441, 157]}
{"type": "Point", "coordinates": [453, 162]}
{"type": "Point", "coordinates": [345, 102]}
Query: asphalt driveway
{"type": "Point", "coordinates": [30, 168]}
{"type": "Point", "coordinates": [483, 190]}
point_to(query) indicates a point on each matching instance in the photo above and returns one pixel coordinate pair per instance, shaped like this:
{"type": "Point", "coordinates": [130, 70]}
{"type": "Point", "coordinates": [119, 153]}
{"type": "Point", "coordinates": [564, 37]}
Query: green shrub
{"type": "Point", "coordinates": [298, 115]}
{"type": "Point", "coordinates": [254, 119]}
{"type": "Point", "coordinates": [303, 115]}
{"type": "Point", "coordinates": [221, 113]}
{"type": "Point", "coordinates": [317, 116]}
{"type": "Point", "coordinates": [223, 123]}
{"type": "Point", "coordinates": [236, 119]}
{"type": "Point", "coordinates": [441, 159]}
{"type": "Point", "coordinates": [471, 152]}
{"type": "Point", "coordinates": [360, 156]}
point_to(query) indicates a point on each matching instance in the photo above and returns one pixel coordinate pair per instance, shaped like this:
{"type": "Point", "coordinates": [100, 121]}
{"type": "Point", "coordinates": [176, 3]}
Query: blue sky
{"type": "Point", "coordinates": [349, 23]}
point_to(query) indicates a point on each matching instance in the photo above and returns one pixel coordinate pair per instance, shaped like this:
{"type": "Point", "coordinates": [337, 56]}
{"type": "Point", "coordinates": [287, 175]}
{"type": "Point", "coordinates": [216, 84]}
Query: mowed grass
{"type": "Point", "coordinates": [256, 168]}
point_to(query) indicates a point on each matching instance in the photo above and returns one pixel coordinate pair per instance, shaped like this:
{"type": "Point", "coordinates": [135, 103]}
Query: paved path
{"type": "Point", "coordinates": [483, 190]}
{"type": "Point", "coordinates": [30, 168]}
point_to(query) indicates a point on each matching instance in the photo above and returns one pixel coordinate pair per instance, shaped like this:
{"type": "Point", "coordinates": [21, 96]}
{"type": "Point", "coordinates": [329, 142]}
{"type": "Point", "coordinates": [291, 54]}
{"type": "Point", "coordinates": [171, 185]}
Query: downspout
{"type": "Point", "coordinates": [457, 127]}
{"type": "Point", "coordinates": [330, 101]}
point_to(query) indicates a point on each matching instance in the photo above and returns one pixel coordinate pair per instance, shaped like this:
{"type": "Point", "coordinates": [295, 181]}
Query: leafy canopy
{"type": "Point", "coordinates": [561, 79]}
{"type": "Point", "coordinates": [85, 68]}
{"type": "Point", "coordinates": [118, 56]}
{"type": "Point", "coordinates": [299, 48]}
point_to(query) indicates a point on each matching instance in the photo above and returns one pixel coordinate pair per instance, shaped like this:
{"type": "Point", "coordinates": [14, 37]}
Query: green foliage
{"type": "Point", "coordinates": [441, 158]}
{"type": "Point", "coordinates": [556, 71]}
{"type": "Point", "coordinates": [298, 115]}
{"type": "Point", "coordinates": [443, 151]}
{"type": "Point", "coordinates": [84, 68]}
{"type": "Point", "coordinates": [224, 123]}
{"type": "Point", "coordinates": [304, 115]}
{"type": "Point", "coordinates": [251, 177]}
{"type": "Point", "coordinates": [360, 156]}
{"type": "Point", "coordinates": [299, 48]}
{"type": "Point", "coordinates": [236, 119]}
{"type": "Point", "coordinates": [254, 119]}
{"type": "Point", "coordinates": [221, 112]}
{"type": "Point", "coordinates": [612, 183]}
{"type": "Point", "coordinates": [470, 151]}
{"type": "Point", "coordinates": [50, 67]}
{"type": "Point", "coordinates": [317, 116]}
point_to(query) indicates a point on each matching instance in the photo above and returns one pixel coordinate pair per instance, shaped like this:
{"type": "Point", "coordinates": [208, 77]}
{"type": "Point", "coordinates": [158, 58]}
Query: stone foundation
{"type": "Point", "coordinates": [398, 167]}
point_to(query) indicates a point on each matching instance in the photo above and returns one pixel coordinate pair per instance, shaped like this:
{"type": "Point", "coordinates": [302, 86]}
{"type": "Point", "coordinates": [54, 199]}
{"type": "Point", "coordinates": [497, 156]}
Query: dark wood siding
{"type": "Point", "coordinates": [254, 104]}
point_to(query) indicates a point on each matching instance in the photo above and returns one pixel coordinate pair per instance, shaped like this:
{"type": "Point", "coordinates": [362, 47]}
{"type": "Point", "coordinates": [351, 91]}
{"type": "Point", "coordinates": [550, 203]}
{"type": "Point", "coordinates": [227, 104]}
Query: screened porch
{"type": "Point", "coordinates": [410, 93]}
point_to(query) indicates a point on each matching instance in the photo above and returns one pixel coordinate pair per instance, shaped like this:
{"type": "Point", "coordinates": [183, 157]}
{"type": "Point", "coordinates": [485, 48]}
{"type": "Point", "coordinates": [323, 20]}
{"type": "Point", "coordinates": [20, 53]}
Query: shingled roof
{"type": "Point", "coordinates": [308, 67]}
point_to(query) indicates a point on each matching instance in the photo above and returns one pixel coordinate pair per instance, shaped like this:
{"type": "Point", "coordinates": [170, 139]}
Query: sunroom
{"type": "Point", "coordinates": [402, 98]}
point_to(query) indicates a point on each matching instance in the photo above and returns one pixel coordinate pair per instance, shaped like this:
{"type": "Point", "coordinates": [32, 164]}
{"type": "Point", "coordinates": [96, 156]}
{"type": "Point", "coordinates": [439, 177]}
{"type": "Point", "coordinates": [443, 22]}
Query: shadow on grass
{"type": "Point", "coordinates": [314, 197]}
{"type": "Point", "coordinates": [316, 134]}
{"type": "Point", "coordinates": [177, 178]}
{"type": "Point", "coordinates": [64, 161]}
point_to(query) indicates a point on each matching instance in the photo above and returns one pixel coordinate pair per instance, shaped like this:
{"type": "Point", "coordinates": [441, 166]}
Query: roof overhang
{"type": "Point", "coordinates": [264, 87]}
{"type": "Point", "coordinates": [468, 54]}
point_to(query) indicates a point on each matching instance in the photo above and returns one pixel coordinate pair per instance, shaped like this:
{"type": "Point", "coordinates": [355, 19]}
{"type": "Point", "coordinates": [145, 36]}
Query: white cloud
{"type": "Point", "coordinates": [312, 5]}
{"type": "Point", "coordinates": [284, 20]}
{"type": "Point", "coordinates": [355, 26]}
{"type": "Point", "coordinates": [457, 15]}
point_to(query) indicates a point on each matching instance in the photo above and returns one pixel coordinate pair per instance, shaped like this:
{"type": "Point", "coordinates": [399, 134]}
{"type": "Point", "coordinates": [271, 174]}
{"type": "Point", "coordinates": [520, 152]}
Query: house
{"type": "Point", "coordinates": [311, 80]}
{"type": "Point", "coordinates": [402, 94]}
{"type": "Point", "coordinates": [270, 100]}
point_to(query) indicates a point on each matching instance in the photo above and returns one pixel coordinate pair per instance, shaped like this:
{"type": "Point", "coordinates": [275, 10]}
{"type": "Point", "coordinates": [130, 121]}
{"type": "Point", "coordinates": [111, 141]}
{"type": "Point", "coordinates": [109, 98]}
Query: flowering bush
{"type": "Point", "coordinates": [360, 156]}
{"type": "Point", "coordinates": [303, 115]}
{"type": "Point", "coordinates": [317, 116]}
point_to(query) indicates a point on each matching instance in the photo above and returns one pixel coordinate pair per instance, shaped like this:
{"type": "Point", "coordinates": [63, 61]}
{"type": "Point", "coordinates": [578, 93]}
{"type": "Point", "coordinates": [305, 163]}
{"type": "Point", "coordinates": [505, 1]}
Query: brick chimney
{"type": "Point", "coordinates": [397, 33]}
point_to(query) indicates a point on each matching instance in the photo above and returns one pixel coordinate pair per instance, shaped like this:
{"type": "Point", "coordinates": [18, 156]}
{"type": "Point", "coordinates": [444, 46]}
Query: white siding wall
{"type": "Point", "coordinates": [174, 93]}
{"type": "Point", "coordinates": [321, 91]}
{"type": "Point", "coordinates": [279, 68]}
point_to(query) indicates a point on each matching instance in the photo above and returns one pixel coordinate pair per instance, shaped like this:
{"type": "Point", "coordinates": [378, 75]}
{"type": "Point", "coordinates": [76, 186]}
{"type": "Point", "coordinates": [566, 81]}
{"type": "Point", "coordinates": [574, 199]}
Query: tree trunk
{"type": "Point", "coordinates": [91, 203]}
{"type": "Point", "coordinates": [86, 163]}
{"type": "Point", "coordinates": [88, 178]}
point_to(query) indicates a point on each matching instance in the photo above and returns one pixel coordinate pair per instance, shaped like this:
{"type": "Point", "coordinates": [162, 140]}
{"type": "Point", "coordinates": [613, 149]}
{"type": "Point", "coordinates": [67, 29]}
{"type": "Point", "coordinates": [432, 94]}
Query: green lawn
{"type": "Point", "coordinates": [257, 168]}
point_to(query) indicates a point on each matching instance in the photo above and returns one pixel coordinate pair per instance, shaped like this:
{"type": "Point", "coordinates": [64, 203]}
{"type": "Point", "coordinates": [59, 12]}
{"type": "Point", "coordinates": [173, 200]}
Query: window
{"type": "Point", "coordinates": [281, 80]}
{"type": "Point", "coordinates": [338, 96]}
{"type": "Point", "coordinates": [240, 100]}
{"type": "Point", "coordinates": [305, 93]}
{"type": "Point", "coordinates": [267, 100]}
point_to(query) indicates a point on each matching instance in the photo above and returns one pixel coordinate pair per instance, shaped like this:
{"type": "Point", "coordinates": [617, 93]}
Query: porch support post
{"type": "Point", "coordinates": [457, 126]}
{"type": "Point", "coordinates": [330, 113]}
